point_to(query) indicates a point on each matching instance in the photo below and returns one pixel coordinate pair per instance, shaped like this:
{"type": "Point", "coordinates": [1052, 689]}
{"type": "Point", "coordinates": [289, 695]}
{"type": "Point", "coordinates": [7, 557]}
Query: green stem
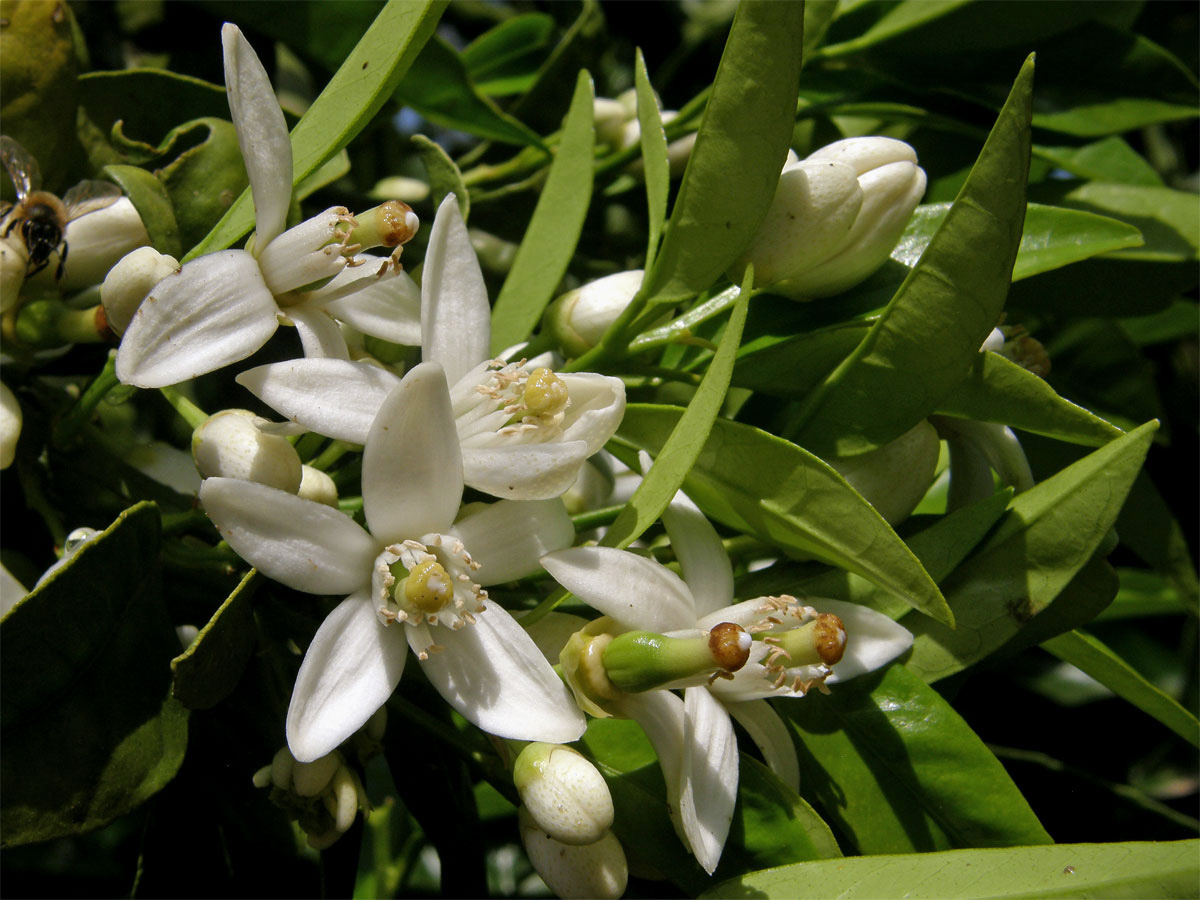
{"type": "Point", "coordinates": [188, 411]}
{"type": "Point", "coordinates": [331, 454]}
{"type": "Point", "coordinates": [78, 326]}
{"type": "Point", "coordinates": [546, 606]}
{"type": "Point", "coordinates": [79, 414]}
{"type": "Point", "coordinates": [595, 518]}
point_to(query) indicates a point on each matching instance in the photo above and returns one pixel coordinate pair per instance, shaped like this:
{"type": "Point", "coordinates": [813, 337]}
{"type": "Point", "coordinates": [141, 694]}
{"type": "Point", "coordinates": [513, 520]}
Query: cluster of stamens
{"type": "Point", "coordinates": [533, 402]}
{"type": "Point", "coordinates": [821, 636]}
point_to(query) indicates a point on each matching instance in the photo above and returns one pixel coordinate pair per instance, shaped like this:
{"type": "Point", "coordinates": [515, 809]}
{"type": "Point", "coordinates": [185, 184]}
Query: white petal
{"type": "Point", "coordinates": [524, 471]}
{"type": "Point", "coordinates": [412, 466]}
{"type": "Point", "coordinates": [262, 134]}
{"type": "Point", "coordinates": [767, 730]}
{"type": "Point", "coordinates": [494, 674]}
{"type": "Point", "coordinates": [552, 631]}
{"type": "Point", "coordinates": [637, 592]}
{"type": "Point", "coordinates": [596, 409]}
{"type": "Point", "coordinates": [660, 713]}
{"type": "Point", "coordinates": [455, 315]}
{"type": "Point", "coordinates": [307, 546]}
{"type": "Point", "coordinates": [305, 254]}
{"type": "Point", "coordinates": [509, 538]}
{"type": "Point", "coordinates": [709, 777]}
{"type": "Point", "coordinates": [387, 307]}
{"type": "Point", "coordinates": [872, 639]}
{"type": "Point", "coordinates": [333, 397]}
{"type": "Point", "coordinates": [319, 334]}
{"type": "Point", "coordinates": [700, 553]}
{"type": "Point", "coordinates": [214, 311]}
{"type": "Point", "coordinates": [352, 666]}
{"type": "Point", "coordinates": [12, 591]}
{"type": "Point", "coordinates": [10, 425]}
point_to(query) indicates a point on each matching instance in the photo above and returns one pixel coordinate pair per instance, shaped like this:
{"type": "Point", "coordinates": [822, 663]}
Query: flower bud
{"type": "Point", "coordinates": [565, 794]}
{"type": "Point", "coordinates": [578, 319]}
{"type": "Point", "coordinates": [10, 425]}
{"type": "Point", "coordinates": [893, 478]}
{"type": "Point", "coordinates": [96, 242]}
{"type": "Point", "coordinates": [14, 260]}
{"type": "Point", "coordinates": [129, 281]}
{"type": "Point", "coordinates": [589, 870]}
{"type": "Point", "coordinates": [230, 444]}
{"type": "Point", "coordinates": [835, 217]}
{"type": "Point", "coordinates": [323, 796]}
{"type": "Point", "coordinates": [315, 485]}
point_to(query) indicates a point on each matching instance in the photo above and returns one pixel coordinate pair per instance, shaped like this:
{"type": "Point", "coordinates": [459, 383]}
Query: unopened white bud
{"type": "Point", "coordinates": [578, 319]}
{"type": "Point", "coordinates": [230, 444]}
{"type": "Point", "coordinates": [315, 485]}
{"type": "Point", "coordinates": [10, 425]}
{"type": "Point", "coordinates": [598, 869]}
{"type": "Point", "coordinates": [14, 260]}
{"type": "Point", "coordinates": [129, 281]}
{"type": "Point", "coordinates": [311, 778]}
{"type": "Point", "coordinates": [893, 478]}
{"type": "Point", "coordinates": [564, 792]}
{"type": "Point", "coordinates": [96, 242]}
{"type": "Point", "coordinates": [835, 218]}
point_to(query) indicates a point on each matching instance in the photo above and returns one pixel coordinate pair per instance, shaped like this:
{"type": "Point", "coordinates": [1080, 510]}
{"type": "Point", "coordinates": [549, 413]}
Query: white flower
{"type": "Point", "coordinates": [693, 736]}
{"type": "Point", "coordinates": [223, 306]}
{"type": "Point", "coordinates": [525, 431]}
{"type": "Point", "coordinates": [411, 581]}
{"type": "Point", "coordinates": [835, 217]}
{"type": "Point", "coordinates": [578, 319]}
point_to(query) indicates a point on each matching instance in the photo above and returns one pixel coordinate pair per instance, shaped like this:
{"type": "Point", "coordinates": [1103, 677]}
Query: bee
{"type": "Point", "coordinates": [40, 217]}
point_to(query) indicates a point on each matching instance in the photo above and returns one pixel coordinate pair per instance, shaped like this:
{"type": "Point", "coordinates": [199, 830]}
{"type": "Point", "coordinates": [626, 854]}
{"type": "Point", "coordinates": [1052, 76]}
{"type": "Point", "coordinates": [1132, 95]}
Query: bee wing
{"type": "Point", "coordinates": [89, 196]}
{"type": "Point", "coordinates": [22, 167]}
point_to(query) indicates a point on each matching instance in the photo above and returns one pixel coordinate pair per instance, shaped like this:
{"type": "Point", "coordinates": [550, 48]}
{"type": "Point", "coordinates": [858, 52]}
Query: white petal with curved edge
{"type": "Point", "coordinates": [872, 639]}
{"type": "Point", "coordinates": [552, 631]}
{"type": "Point", "coordinates": [305, 545]}
{"type": "Point", "coordinates": [456, 320]}
{"type": "Point", "coordinates": [596, 408]}
{"type": "Point", "coordinates": [412, 467]}
{"type": "Point", "coordinates": [710, 776]}
{"type": "Point", "coordinates": [319, 334]}
{"type": "Point", "coordinates": [387, 306]}
{"type": "Point", "coordinates": [509, 538]}
{"type": "Point", "coordinates": [350, 669]}
{"type": "Point", "coordinates": [262, 134]}
{"type": "Point", "coordinates": [767, 730]}
{"type": "Point", "coordinates": [333, 397]}
{"type": "Point", "coordinates": [661, 715]}
{"type": "Point", "coordinates": [524, 471]}
{"type": "Point", "coordinates": [214, 311]}
{"type": "Point", "coordinates": [494, 674]}
{"type": "Point", "coordinates": [701, 554]}
{"type": "Point", "coordinates": [637, 592]}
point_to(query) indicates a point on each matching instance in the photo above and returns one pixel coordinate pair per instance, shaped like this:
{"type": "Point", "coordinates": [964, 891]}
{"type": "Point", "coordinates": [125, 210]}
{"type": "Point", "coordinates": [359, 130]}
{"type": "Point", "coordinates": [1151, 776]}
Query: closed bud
{"type": "Point", "coordinates": [315, 485]}
{"type": "Point", "coordinates": [893, 478]}
{"type": "Point", "coordinates": [565, 794]}
{"type": "Point", "coordinates": [230, 444]}
{"type": "Point", "coordinates": [129, 281]}
{"type": "Point", "coordinates": [598, 869]}
{"type": "Point", "coordinates": [96, 242]}
{"type": "Point", "coordinates": [10, 425]}
{"type": "Point", "coordinates": [578, 319]}
{"type": "Point", "coordinates": [835, 218]}
{"type": "Point", "coordinates": [14, 259]}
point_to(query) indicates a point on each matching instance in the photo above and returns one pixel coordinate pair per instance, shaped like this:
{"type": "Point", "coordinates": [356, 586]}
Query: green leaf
{"type": "Point", "coordinates": [1179, 321]}
{"type": "Point", "coordinates": [1089, 654]}
{"type": "Point", "coordinates": [503, 60]}
{"type": "Point", "coordinates": [554, 230]}
{"type": "Point", "coordinates": [210, 668]}
{"type": "Point", "coordinates": [1131, 869]}
{"type": "Point", "coordinates": [149, 197]}
{"type": "Point", "coordinates": [439, 88]}
{"type": "Point", "coordinates": [1144, 594]}
{"type": "Point", "coordinates": [679, 452]}
{"type": "Point", "coordinates": [655, 166]}
{"type": "Point", "coordinates": [999, 390]}
{"type": "Point", "coordinates": [1109, 159]}
{"type": "Point", "coordinates": [930, 333]}
{"type": "Point", "coordinates": [896, 770]}
{"type": "Point", "coordinates": [1048, 535]}
{"type": "Point", "coordinates": [365, 81]}
{"type": "Point", "coordinates": [763, 485]}
{"type": "Point", "coordinates": [205, 179]}
{"type": "Point", "coordinates": [89, 730]}
{"type": "Point", "coordinates": [739, 152]}
{"type": "Point", "coordinates": [444, 176]}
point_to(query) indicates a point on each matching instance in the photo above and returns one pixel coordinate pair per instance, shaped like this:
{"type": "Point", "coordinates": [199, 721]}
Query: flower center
{"type": "Point", "coordinates": [802, 651]}
{"type": "Point", "coordinates": [500, 403]}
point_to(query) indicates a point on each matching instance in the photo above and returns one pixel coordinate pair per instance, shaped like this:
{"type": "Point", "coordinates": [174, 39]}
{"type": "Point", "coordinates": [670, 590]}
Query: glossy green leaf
{"type": "Point", "coordinates": [894, 769]}
{"type": "Point", "coordinates": [794, 366]}
{"type": "Point", "coordinates": [89, 729]}
{"type": "Point", "coordinates": [1143, 593]}
{"type": "Point", "coordinates": [763, 485]}
{"type": "Point", "coordinates": [503, 60]}
{"type": "Point", "coordinates": [439, 88]}
{"type": "Point", "coordinates": [740, 149]}
{"type": "Point", "coordinates": [1149, 529]}
{"type": "Point", "coordinates": [210, 668]}
{"type": "Point", "coordinates": [678, 454]}
{"type": "Point", "coordinates": [999, 390]}
{"type": "Point", "coordinates": [1050, 532]}
{"type": "Point", "coordinates": [1110, 159]}
{"type": "Point", "coordinates": [930, 333]}
{"type": "Point", "coordinates": [365, 81]}
{"type": "Point", "coordinates": [1086, 652]}
{"type": "Point", "coordinates": [1179, 321]}
{"type": "Point", "coordinates": [204, 180]}
{"type": "Point", "coordinates": [655, 167]}
{"type": "Point", "coordinates": [1133, 869]}
{"type": "Point", "coordinates": [541, 106]}
{"type": "Point", "coordinates": [444, 176]}
{"type": "Point", "coordinates": [149, 197]}
{"type": "Point", "coordinates": [554, 230]}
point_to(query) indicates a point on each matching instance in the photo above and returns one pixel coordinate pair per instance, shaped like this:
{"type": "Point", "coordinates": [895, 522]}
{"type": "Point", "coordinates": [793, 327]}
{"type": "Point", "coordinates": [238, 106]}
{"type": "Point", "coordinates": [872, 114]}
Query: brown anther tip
{"type": "Point", "coordinates": [394, 215]}
{"type": "Point", "coordinates": [729, 649]}
{"type": "Point", "coordinates": [830, 638]}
